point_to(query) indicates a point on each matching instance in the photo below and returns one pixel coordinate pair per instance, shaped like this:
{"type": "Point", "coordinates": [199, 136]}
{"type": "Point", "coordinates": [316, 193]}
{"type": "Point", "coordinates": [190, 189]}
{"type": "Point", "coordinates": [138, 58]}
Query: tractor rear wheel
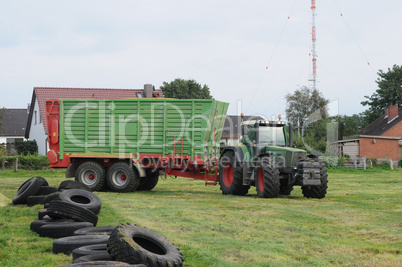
{"type": "Point", "coordinates": [267, 179]}
{"type": "Point", "coordinates": [91, 174]}
{"type": "Point", "coordinates": [231, 175]}
{"type": "Point", "coordinates": [318, 191]}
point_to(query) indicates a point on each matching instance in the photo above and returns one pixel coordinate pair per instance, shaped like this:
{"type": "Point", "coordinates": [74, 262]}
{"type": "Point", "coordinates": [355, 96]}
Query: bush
{"type": "Point", "coordinates": [400, 163]}
{"type": "Point", "coordinates": [26, 147]}
{"type": "Point", "coordinates": [28, 162]}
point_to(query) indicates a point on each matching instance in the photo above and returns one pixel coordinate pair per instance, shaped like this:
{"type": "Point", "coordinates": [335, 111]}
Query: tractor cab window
{"type": "Point", "coordinates": [273, 136]}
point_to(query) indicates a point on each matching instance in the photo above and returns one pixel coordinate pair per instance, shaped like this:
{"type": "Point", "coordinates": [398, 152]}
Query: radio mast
{"type": "Point", "coordinates": [314, 54]}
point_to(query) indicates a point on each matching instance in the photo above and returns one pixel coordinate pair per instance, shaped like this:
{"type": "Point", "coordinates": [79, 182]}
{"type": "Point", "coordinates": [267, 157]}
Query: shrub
{"type": "Point", "coordinates": [28, 162]}
{"type": "Point", "coordinates": [26, 147]}
{"type": "Point", "coordinates": [400, 163]}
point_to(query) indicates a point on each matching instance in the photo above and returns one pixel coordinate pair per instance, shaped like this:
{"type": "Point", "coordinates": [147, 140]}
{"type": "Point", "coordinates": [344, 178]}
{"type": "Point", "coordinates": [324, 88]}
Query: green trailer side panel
{"type": "Point", "coordinates": [142, 126]}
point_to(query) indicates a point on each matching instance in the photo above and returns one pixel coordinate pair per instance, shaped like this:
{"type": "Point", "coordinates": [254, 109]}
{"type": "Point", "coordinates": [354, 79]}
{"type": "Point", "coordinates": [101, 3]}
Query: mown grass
{"type": "Point", "coordinates": [357, 224]}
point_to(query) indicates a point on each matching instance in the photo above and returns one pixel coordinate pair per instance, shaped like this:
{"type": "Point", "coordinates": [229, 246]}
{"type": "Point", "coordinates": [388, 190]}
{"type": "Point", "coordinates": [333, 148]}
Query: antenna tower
{"type": "Point", "coordinates": [313, 32]}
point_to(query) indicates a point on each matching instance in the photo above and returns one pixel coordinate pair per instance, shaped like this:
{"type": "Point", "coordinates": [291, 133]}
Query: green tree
{"type": "Point", "coordinates": [185, 89]}
{"type": "Point", "coordinates": [303, 103]}
{"type": "Point", "coordinates": [348, 125]}
{"type": "Point", "coordinates": [389, 93]}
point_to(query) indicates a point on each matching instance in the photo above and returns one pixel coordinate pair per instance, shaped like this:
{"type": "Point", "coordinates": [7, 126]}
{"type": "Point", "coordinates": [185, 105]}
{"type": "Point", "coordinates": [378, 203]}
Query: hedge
{"type": "Point", "coordinates": [28, 162]}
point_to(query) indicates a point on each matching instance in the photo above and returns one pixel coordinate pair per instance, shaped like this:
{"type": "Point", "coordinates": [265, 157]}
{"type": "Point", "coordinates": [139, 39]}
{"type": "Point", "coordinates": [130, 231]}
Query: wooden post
{"type": "Point", "coordinates": [16, 164]}
{"type": "Point", "coordinates": [3, 163]}
{"type": "Point", "coordinates": [391, 164]}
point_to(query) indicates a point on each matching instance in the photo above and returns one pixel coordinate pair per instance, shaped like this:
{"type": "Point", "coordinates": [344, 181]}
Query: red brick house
{"type": "Point", "coordinates": [382, 138]}
{"type": "Point", "coordinates": [36, 128]}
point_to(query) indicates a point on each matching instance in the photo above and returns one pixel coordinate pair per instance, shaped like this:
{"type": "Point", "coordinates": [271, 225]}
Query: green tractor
{"type": "Point", "coordinates": [267, 159]}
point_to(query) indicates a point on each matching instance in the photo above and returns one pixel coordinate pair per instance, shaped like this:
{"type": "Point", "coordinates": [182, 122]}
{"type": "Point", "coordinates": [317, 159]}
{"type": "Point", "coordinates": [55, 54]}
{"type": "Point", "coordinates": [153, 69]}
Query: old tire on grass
{"type": "Point", "coordinates": [102, 230]}
{"type": "Point", "coordinates": [149, 182]}
{"type": "Point", "coordinates": [134, 244]}
{"type": "Point", "coordinates": [29, 188]}
{"type": "Point", "coordinates": [321, 190]}
{"type": "Point", "coordinates": [47, 190]}
{"type": "Point", "coordinates": [102, 263]}
{"type": "Point", "coordinates": [35, 200]}
{"type": "Point", "coordinates": [89, 250]}
{"type": "Point", "coordinates": [67, 244]}
{"type": "Point", "coordinates": [71, 184]}
{"type": "Point", "coordinates": [267, 179]}
{"type": "Point", "coordinates": [231, 175]}
{"type": "Point", "coordinates": [41, 179]}
{"type": "Point", "coordinates": [35, 225]}
{"type": "Point", "coordinates": [58, 208]}
{"type": "Point", "coordinates": [122, 178]}
{"type": "Point", "coordinates": [82, 198]}
{"type": "Point", "coordinates": [91, 174]}
{"type": "Point", "coordinates": [105, 256]}
{"type": "Point", "coordinates": [59, 229]}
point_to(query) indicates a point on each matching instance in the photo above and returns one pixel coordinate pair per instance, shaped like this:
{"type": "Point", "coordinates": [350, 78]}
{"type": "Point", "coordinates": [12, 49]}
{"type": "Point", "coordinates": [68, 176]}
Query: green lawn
{"type": "Point", "coordinates": [357, 224]}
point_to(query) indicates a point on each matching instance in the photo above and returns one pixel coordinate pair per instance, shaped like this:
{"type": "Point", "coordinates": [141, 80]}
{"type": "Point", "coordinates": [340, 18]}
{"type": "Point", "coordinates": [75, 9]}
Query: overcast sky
{"type": "Point", "coordinates": [227, 45]}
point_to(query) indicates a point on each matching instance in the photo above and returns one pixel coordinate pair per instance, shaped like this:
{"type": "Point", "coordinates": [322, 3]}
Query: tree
{"type": "Point", "coordinates": [185, 89]}
{"type": "Point", "coordinates": [348, 125]}
{"type": "Point", "coordinates": [389, 93]}
{"type": "Point", "coordinates": [303, 103]}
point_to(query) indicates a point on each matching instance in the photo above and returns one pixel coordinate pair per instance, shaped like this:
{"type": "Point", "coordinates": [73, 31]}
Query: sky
{"type": "Point", "coordinates": [249, 53]}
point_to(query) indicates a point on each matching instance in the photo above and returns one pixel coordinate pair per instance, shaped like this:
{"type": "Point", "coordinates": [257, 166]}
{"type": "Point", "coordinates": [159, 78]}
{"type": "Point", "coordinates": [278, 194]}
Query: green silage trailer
{"type": "Point", "coordinates": [124, 144]}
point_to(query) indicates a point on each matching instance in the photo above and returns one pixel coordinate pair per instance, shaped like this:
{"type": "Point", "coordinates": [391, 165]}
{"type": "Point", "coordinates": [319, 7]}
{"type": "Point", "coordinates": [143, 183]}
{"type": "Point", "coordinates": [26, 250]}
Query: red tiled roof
{"type": "Point", "coordinates": [43, 93]}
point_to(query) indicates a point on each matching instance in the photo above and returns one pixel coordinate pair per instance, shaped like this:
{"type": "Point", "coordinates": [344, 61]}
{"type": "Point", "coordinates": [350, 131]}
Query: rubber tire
{"type": "Point", "coordinates": [149, 182]}
{"type": "Point", "coordinates": [285, 189]}
{"type": "Point", "coordinates": [59, 229]}
{"type": "Point", "coordinates": [267, 181]}
{"type": "Point", "coordinates": [58, 208]}
{"type": "Point", "coordinates": [71, 184]}
{"type": "Point", "coordinates": [134, 244]}
{"type": "Point", "coordinates": [132, 179]}
{"type": "Point", "coordinates": [321, 190]}
{"type": "Point", "coordinates": [66, 245]}
{"type": "Point", "coordinates": [105, 256]}
{"type": "Point", "coordinates": [43, 180]}
{"type": "Point", "coordinates": [35, 225]}
{"type": "Point", "coordinates": [103, 263]}
{"type": "Point", "coordinates": [47, 190]}
{"type": "Point", "coordinates": [35, 200]}
{"type": "Point", "coordinates": [51, 197]}
{"type": "Point", "coordinates": [89, 250]}
{"type": "Point", "coordinates": [96, 169]}
{"type": "Point", "coordinates": [42, 213]}
{"type": "Point", "coordinates": [103, 230]}
{"type": "Point", "coordinates": [231, 176]}
{"type": "Point", "coordinates": [28, 188]}
{"type": "Point", "coordinates": [82, 198]}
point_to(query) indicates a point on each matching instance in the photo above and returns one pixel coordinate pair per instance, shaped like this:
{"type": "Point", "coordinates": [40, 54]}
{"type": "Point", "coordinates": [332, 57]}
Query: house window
{"type": "Point", "coordinates": [40, 119]}
{"type": "Point", "coordinates": [35, 117]}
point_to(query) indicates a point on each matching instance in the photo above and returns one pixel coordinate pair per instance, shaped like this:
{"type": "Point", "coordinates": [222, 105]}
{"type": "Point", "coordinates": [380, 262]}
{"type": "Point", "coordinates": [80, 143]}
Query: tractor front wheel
{"type": "Point", "coordinates": [267, 179]}
{"type": "Point", "coordinates": [231, 175]}
{"type": "Point", "coordinates": [318, 191]}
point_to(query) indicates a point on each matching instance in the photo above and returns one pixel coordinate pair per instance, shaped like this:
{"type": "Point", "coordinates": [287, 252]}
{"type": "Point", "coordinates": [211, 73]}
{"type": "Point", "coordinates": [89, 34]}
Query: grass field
{"type": "Point", "coordinates": [357, 224]}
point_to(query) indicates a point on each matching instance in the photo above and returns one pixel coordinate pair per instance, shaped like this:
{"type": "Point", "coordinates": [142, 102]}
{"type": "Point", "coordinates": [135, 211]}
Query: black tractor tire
{"type": "Point", "coordinates": [105, 256]}
{"type": "Point", "coordinates": [35, 225]}
{"type": "Point", "coordinates": [27, 189]}
{"type": "Point", "coordinates": [35, 200]}
{"type": "Point", "coordinates": [102, 230]}
{"type": "Point", "coordinates": [91, 174]}
{"type": "Point", "coordinates": [285, 188]}
{"type": "Point", "coordinates": [82, 198]}
{"type": "Point", "coordinates": [59, 229]}
{"type": "Point", "coordinates": [89, 250]}
{"type": "Point", "coordinates": [231, 175]}
{"type": "Point", "coordinates": [71, 184]}
{"type": "Point", "coordinates": [321, 190]}
{"type": "Point", "coordinates": [58, 208]}
{"type": "Point", "coordinates": [47, 190]}
{"type": "Point", "coordinates": [267, 181]}
{"type": "Point", "coordinates": [138, 245]}
{"type": "Point", "coordinates": [66, 245]}
{"type": "Point", "coordinates": [42, 213]}
{"type": "Point", "coordinates": [149, 182]}
{"type": "Point", "coordinates": [102, 263]}
{"type": "Point", "coordinates": [122, 178]}
{"type": "Point", "coordinates": [41, 179]}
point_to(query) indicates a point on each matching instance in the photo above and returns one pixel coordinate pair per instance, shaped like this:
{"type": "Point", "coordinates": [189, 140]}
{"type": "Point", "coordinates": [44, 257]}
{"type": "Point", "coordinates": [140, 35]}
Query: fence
{"type": "Point", "coordinates": [357, 163]}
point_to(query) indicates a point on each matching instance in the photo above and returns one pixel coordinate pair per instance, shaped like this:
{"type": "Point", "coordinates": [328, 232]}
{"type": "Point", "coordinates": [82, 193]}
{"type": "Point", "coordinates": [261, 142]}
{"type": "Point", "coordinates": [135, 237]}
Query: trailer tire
{"type": "Point", "coordinates": [267, 180]}
{"type": "Point", "coordinates": [231, 175]}
{"type": "Point", "coordinates": [318, 191]}
{"type": "Point", "coordinates": [29, 188]}
{"type": "Point", "coordinates": [149, 182]}
{"type": "Point", "coordinates": [122, 178]}
{"type": "Point", "coordinates": [138, 245]}
{"type": "Point", "coordinates": [91, 174]}
{"type": "Point", "coordinates": [82, 198]}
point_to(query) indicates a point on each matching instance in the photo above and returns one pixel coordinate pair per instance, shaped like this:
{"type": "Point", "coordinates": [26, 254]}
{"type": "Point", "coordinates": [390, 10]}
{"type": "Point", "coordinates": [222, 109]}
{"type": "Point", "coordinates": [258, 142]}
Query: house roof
{"type": "Point", "coordinates": [232, 129]}
{"type": "Point", "coordinates": [14, 122]}
{"type": "Point", "coordinates": [43, 93]}
{"type": "Point", "coordinates": [381, 125]}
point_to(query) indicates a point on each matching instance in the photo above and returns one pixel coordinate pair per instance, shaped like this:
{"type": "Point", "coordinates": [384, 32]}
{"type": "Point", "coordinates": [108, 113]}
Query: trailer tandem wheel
{"type": "Point", "coordinates": [92, 174]}
{"type": "Point", "coordinates": [122, 178]}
